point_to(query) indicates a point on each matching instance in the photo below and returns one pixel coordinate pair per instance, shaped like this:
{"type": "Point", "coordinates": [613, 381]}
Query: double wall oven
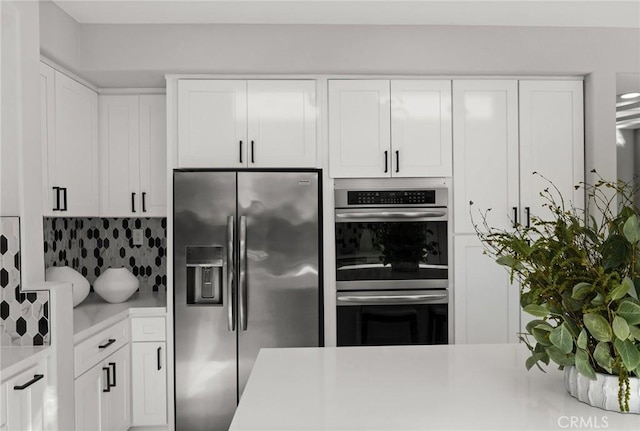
{"type": "Point", "coordinates": [392, 271]}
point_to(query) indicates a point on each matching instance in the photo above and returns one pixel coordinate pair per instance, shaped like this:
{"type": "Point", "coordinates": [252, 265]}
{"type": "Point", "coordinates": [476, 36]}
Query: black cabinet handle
{"type": "Point", "coordinates": [515, 217]}
{"type": "Point", "coordinates": [144, 203]}
{"type": "Point", "coordinates": [113, 364]}
{"type": "Point", "coordinates": [107, 344]}
{"type": "Point", "coordinates": [528, 211]}
{"type": "Point", "coordinates": [36, 377]}
{"type": "Point", "coordinates": [159, 366]}
{"type": "Point", "coordinates": [397, 161]}
{"type": "Point", "coordinates": [57, 190]}
{"type": "Point", "coordinates": [240, 151]}
{"type": "Point", "coordinates": [252, 153]}
{"type": "Point", "coordinates": [64, 200]}
{"type": "Point", "coordinates": [386, 161]}
{"type": "Point", "coordinates": [108, 370]}
{"type": "Point", "coordinates": [133, 202]}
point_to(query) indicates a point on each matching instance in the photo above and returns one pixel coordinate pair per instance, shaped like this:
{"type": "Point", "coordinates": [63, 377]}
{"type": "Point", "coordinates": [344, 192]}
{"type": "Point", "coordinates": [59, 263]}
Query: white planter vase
{"type": "Point", "coordinates": [602, 392]}
{"type": "Point", "coordinates": [79, 284]}
{"type": "Point", "coordinates": [116, 285]}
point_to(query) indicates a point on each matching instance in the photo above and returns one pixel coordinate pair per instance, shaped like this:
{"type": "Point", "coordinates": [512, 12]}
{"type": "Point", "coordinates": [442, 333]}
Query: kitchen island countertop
{"type": "Point", "coordinates": [452, 387]}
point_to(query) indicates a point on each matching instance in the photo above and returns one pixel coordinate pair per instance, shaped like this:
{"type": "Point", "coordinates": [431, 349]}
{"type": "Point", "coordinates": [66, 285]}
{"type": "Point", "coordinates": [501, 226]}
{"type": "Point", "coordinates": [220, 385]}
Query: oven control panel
{"type": "Point", "coordinates": [391, 197]}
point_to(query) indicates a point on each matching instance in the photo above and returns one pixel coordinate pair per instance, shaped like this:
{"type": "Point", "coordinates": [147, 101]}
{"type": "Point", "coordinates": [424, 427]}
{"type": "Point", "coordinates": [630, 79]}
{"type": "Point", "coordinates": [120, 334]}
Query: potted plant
{"type": "Point", "coordinates": [579, 273]}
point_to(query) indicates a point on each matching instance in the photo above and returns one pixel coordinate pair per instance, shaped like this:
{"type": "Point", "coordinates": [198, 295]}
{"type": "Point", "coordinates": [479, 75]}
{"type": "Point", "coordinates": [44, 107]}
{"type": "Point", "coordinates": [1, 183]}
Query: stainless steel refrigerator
{"type": "Point", "coordinates": [247, 275]}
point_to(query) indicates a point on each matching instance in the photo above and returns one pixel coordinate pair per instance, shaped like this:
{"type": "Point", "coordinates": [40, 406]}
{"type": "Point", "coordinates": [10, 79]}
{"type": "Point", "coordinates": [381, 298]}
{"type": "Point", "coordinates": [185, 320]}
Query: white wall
{"type": "Point", "coordinates": [59, 35]}
{"type": "Point", "coordinates": [22, 181]}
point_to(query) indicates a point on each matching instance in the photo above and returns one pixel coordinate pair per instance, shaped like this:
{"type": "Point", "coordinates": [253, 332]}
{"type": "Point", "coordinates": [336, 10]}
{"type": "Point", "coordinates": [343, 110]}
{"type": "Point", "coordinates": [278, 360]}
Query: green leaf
{"type": "Point", "coordinates": [615, 252]}
{"type": "Point", "coordinates": [630, 311]}
{"type": "Point", "coordinates": [536, 310]}
{"type": "Point", "coordinates": [631, 229]}
{"type": "Point", "coordinates": [561, 338]}
{"type": "Point", "coordinates": [541, 336]}
{"type": "Point", "coordinates": [536, 322]}
{"type": "Point", "coordinates": [581, 290]}
{"type": "Point", "coordinates": [582, 339]}
{"type": "Point", "coordinates": [620, 328]}
{"type": "Point", "coordinates": [598, 327]}
{"type": "Point", "coordinates": [583, 365]}
{"type": "Point", "coordinates": [628, 353]}
{"type": "Point", "coordinates": [560, 358]}
{"type": "Point", "coordinates": [535, 358]}
{"type": "Point", "coordinates": [602, 355]}
{"type": "Point", "coordinates": [620, 290]}
{"type": "Point", "coordinates": [598, 300]}
{"type": "Point", "coordinates": [509, 261]}
{"type": "Point", "coordinates": [635, 332]}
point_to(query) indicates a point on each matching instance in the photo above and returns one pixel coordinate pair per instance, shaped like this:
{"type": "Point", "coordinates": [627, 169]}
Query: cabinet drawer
{"type": "Point", "coordinates": [93, 350]}
{"type": "Point", "coordinates": [148, 329]}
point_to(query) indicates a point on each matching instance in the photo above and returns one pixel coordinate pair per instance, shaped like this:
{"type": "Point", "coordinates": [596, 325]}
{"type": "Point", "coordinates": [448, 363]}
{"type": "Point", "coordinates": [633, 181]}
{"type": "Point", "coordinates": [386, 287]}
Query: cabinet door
{"type": "Point", "coordinates": [282, 123]}
{"type": "Point", "coordinates": [153, 156]}
{"type": "Point", "coordinates": [89, 403]}
{"type": "Point", "coordinates": [421, 128]}
{"type": "Point", "coordinates": [212, 124]}
{"type": "Point", "coordinates": [485, 153]}
{"type": "Point", "coordinates": [47, 136]}
{"type": "Point", "coordinates": [551, 143]}
{"type": "Point", "coordinates": [119, 156]}
{"type": "Point", "coordinates": [26, 399]}
{"type": "Point", "coordinates": [118, 400]}
{"type": "Point", "coordinates": [486, 305]}
{"type": "Point", "coordinates": [149, 383]}
{"type": "Point", "coordinates": [74, 157]}
{"type": "Point", "coordinates": [359, 128]}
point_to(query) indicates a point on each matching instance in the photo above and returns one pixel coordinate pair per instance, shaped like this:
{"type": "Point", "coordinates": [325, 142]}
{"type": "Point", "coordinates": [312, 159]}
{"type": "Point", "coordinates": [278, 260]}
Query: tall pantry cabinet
{"type": "Point", "coordinates": [504, 131]}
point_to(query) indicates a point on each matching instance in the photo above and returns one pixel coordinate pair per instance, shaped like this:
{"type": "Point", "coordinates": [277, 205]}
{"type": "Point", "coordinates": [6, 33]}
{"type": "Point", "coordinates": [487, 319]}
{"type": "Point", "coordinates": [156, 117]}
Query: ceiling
{"type": "Point", "coordinates": [572, 13]}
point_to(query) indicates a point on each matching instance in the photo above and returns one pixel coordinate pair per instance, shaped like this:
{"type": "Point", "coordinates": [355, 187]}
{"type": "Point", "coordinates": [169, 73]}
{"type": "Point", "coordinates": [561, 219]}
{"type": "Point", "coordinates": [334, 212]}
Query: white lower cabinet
{"type": "Point", "coordinates": [22, 399]}
{"type": "Point", "coordinates": [487, 305]}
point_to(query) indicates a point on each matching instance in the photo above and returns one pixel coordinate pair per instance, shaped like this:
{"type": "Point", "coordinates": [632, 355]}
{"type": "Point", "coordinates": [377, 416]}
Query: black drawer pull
{"type": "Point", "coordinates": [386, 161]}
{"type": "Point", "coordinates": [252, 153]}
{"type": "Point", "coordinates": [159, 366]}
{"type": "Point", "coordinates": [113, 364]}
{"type": "Point", "coordinates": [144, 202]}
{"type": "Point", "coordinates": [397, 161]}
{"type": "Point", "coordinates": [64, 199]}
{"type": "Point", "coordinates": [108, 370]}
{"type": "Point", "coordinates": [57, 190]}
{"type": "Point", "coordinates": [107, 344]}
{"type": "Point", "coordinates": [240, 151]}
{"type": "Point", "coordinates": [36, 377]}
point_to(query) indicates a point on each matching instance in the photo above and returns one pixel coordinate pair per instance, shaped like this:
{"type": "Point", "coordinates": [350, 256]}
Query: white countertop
{"type": "Point", "coordinates": [453, 387]}
{"type": "Point", "coordinates": [95, 314]}
{"type": "Point", "coordinates": [16, 358]}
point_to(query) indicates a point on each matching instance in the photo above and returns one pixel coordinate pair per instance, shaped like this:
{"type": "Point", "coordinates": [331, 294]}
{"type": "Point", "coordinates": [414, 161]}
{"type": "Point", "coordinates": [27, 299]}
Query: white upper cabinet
{"type": "Point", "coordinates": [236, 124]}
{"type": "Point", "coordinates": [397, 128]}
{"type": "Point", "coordinates": [485, 153]}
{"type": "Point", "coordinates": [551, 143]}
{"type": "Point", "coordinates": [359, 128]}
{"type": "Point", "coordinates": [421, 128]}
{"type": "Point", "coordinates": [133, 156]}
{"type": "Point", "coordinates": [71, 148]}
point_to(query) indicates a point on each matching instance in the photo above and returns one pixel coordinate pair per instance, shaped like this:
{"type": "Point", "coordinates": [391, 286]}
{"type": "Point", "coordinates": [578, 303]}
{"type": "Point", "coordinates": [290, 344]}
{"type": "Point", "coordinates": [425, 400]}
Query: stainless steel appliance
{"type": "Point", "coordinates": [392, 272]}
{"type": "Point", "coordinates": [247, 275]}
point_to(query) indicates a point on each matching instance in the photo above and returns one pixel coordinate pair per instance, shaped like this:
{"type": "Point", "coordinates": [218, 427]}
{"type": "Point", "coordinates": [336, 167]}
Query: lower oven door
{"type": "Point", "coordinates": [387, 318]}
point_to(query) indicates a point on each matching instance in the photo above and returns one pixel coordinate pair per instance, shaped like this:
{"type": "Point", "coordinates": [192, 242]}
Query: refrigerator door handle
{"type": "Point", "coordinates": [231, 264]}
{"type": "Point", "coordinates": [242, 300]}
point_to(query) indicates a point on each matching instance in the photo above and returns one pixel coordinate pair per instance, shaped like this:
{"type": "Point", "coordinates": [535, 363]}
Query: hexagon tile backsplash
{"type": "Point", "coordinates": [24, 318]}
{"type": "Point", "coordinates": [91, 245]}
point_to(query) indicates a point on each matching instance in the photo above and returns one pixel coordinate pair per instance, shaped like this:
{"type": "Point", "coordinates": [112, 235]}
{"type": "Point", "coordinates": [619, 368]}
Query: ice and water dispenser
{"type": "Point", "coordinates": [205, 275]}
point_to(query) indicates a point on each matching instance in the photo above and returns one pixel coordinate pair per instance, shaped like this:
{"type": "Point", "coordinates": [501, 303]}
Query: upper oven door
{"type": "Point", "coordinates": [398, 248]}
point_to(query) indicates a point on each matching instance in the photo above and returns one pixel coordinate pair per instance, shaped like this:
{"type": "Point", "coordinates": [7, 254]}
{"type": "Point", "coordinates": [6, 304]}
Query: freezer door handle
{"type": "Point", "coordinates": [242, 300]}
{"type": "Point", "coordinates": [231, 264]}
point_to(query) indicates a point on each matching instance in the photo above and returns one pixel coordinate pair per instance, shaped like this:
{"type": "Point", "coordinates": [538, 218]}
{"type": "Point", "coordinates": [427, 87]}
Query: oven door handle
{"type": "Point", "coordinates": [389, 215]}
{"type": "Point", "coordinates": [391, 299]}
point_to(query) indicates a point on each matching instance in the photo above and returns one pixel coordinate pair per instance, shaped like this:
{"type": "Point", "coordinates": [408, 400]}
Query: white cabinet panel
{"type": "Point", "coordinates": [485, 135]}
{"type": "Point", "coordinates": [486, 305]}
{"type": "Point", "coordinates": [25, 399]}
{"type": "Point", "coordinates": [421, 128]}
{"type": "Point", "coordinates": [153, 155]}
{"type": "Point", "coordinates": [359, 128]}
{"type": "Point", "coordinates": [212, 123]}
{"type": "Point", "coordinates": [74, 155]}
{"type": "Point", "coordinates": [149, 384]}
{"type": "Point", "coordinates": [282, 123]}
{"type": "Point", "coordinates": [118, 400]}
{"type": "Point", "coordinates": [551, 142]}
{"type": "Point", "coordinates": [47, 136]}
{"type": "Point", "coordinates": [89, 408]}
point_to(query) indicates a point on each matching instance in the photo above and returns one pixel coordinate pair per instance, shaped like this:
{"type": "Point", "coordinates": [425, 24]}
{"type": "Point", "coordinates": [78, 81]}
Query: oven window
{"type": "Point", "coordinates": [391, 250]}
{"type": "Point", "coordinates": [385, 325]}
